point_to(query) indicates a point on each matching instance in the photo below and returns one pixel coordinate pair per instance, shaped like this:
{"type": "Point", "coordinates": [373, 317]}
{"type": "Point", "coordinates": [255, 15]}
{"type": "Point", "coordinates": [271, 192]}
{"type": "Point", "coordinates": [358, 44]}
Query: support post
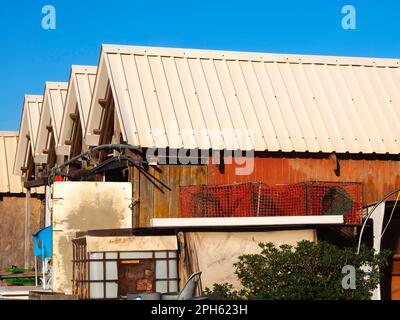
{"type": "Point", "coordinates": [27, 227]}
{"type": "Point", "coordinates": [36, 273]}
{"type": "Point", "coordinates": [44, 273]}
{"type": "Point", "coordinates": [377, 219]}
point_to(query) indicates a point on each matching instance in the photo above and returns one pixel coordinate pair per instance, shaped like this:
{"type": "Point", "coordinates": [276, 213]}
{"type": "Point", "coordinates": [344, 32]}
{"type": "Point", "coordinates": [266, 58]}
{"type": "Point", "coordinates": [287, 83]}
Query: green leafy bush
{"type": "Point", "coordinates": [21, 281]}
{"type": "Point", "coordinates": [15, 269]}
{"type": "Point", "coordinates": [309, 271]}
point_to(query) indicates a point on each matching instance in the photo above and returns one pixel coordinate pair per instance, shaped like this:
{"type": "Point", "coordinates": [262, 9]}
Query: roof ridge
{"type": "Point", "coordinates": [251, 56]}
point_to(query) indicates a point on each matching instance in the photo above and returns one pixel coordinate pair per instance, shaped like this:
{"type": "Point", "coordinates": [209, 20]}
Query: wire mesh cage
{"type": "Point", "coordinates": [336, 198]}
{"type": "Point", "coordinates": [281, 200]}
{"type": "Point", "coordinates": [259, 199]}
{"type": "Point", "coordinates": [217, 201]}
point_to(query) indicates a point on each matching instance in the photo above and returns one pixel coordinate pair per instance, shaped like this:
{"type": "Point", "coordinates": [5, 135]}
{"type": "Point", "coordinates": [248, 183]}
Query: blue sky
{"type": "Point", "coordinates": [30, 55]}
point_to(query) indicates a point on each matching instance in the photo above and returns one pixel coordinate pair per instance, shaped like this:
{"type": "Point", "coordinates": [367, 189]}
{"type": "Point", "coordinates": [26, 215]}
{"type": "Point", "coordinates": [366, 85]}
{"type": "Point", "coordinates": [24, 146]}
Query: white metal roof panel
{"type": "Point", "coordinates": [28, 130]}
{"type": "Point", "coordinates": [9, 182]}
{"type": "Point", "coordinates": [79, 94]}
{"type": "Point", "coordinates": [51, 115]}
{"type": "Point", "coordinates": [250, 101]}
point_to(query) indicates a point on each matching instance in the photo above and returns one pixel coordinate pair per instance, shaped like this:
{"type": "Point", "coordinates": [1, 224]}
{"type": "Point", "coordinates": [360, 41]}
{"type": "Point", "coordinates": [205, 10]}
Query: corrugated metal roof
{"type": "Point", "coordinates": [9, 182]}
{"type": "Point", "coordinates": [80, 90]}
{"type": "Point", "coordinates": [28, 130]}
{"type": "Point", "coordinates": [199, 99]}
{"type": "Point", "coordinates": [52, 112]}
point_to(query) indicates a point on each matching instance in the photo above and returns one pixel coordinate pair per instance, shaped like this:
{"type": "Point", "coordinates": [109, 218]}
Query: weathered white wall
{"type": "Point", "coordinates": [48, 206]}
{"type": "Point", "coordinates": [82, 206]}
{"type": "Point", "coordinates": [132, 243]}
{"type": "Point", "coordinates": [216, 252]}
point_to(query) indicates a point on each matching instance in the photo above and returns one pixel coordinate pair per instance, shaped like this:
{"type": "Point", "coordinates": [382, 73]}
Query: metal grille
{"type": "Point", "coordinates": [98, 285]}
{"type": "Point", "coordinates": [255, 199]}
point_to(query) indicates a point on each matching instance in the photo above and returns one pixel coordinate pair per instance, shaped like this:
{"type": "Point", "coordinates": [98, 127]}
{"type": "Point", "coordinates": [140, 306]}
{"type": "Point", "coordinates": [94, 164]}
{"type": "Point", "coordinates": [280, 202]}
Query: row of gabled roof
{"type": "Point", "coordinates": [181, 98]}
{"type": "Point", "coordinates": [51, 112]}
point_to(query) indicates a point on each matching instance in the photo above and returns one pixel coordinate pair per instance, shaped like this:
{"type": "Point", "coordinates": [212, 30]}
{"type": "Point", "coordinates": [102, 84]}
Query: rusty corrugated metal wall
{"type": "Point", "coordinates": [378, 176]}
{"type": "Point", "coordinates": [12, 209]}
{"type": "Point", "coordinates": [155, 199]}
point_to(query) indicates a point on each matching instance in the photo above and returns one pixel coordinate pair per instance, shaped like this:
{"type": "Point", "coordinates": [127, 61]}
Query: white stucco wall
{"type": "Point", "coordinates": [82, 206]}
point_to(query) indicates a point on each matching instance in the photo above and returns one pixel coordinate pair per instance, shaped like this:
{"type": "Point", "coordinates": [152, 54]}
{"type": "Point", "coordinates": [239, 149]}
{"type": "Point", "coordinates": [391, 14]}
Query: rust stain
{"type": "Point", "coordinates": [12, 210]}
{"type": "Point", "coordinates": [379, 177]}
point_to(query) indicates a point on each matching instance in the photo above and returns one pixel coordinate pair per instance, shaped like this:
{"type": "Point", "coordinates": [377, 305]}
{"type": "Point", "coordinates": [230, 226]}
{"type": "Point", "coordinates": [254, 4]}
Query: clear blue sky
{"type": "Point", "coordinates": [29, 55]}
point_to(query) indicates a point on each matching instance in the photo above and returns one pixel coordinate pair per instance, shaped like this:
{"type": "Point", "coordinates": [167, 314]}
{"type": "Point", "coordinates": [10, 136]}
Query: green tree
{"type": "Point", "coordinates": [308, 271]}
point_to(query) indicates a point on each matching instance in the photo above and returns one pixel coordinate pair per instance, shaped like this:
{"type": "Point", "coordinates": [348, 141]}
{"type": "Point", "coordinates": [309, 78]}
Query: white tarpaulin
{"type": "Point", "coordinates": [216, 252]}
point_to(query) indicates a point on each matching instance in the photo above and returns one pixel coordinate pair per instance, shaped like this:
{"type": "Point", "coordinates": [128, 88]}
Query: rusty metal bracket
{"type": "Point", "coordinates": [134, 202]}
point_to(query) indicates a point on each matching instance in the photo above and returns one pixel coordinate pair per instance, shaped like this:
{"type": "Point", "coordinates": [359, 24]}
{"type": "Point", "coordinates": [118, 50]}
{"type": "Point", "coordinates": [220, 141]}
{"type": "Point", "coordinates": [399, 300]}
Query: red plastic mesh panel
{"type": "Point", "coordinates": [259, 199]}
{"type": "Point", "coordinates": [329, 198]}
{"type": "Point", "coordinates": [216, 201]}
{"type": "Point", "coordinates": [283, 200]}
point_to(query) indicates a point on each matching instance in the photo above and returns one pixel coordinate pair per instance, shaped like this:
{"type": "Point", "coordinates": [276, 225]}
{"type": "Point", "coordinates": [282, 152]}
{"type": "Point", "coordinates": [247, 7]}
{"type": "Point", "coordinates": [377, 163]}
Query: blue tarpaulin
{"type": "Point", "coordinates": [43, 243]}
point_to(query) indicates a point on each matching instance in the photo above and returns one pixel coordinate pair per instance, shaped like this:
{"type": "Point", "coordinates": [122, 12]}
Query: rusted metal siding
{"type": "Point", "coordinates": [379, 176]}
{"type": "Point", "coordinates": [182, 98]}
{"type": "Point", "coordinates": [12, 229]}
{"type": "Point", "coordinates": [161, 200]}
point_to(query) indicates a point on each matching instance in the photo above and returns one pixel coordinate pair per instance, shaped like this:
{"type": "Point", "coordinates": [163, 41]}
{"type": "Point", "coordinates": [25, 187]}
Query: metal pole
{"type": "Point", "coordinates": [36, 273]}
{"type": "Point", "coordinates": [26, 227]}
{"type": "Point", "coordinates": [44, 275]}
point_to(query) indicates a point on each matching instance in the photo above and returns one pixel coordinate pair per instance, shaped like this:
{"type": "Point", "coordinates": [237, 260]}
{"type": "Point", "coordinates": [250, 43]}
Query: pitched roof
{"type": "Point", "coordinates": [51, 115]}
{"type": "Point", "coordinates": [28, 130]}
{"type": "Point", "coordinates": [80, 89]}
{"type": "Point", "coordinates": [9, 182]}
{"type": "Point", "coordinates": [239, 100]}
